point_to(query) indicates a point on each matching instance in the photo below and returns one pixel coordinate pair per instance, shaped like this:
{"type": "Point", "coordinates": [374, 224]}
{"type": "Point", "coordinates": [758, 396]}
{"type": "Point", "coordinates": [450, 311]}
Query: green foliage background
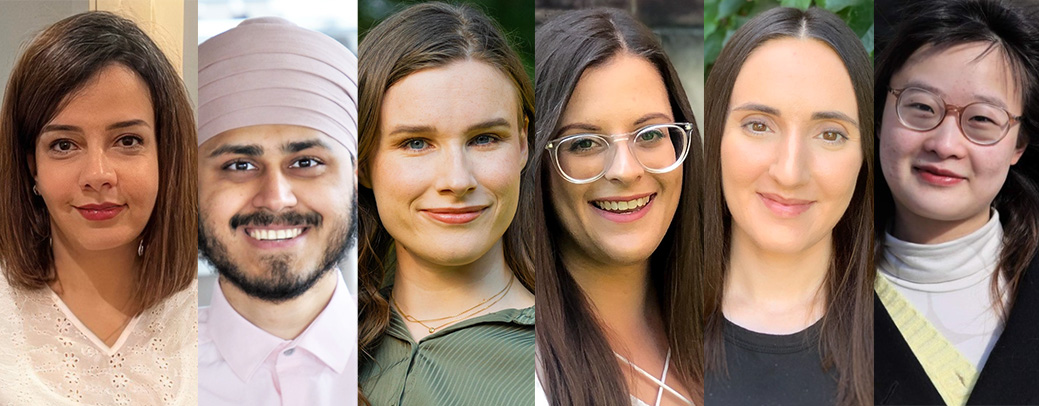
{"type": "Point", "coordinates": [723, 17]}
{"type": "Point", "coordinates": [515, 18]}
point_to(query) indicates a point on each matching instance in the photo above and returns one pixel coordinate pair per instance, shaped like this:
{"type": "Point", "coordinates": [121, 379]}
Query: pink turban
{"type": "Point", "coordinates": [270, 71]}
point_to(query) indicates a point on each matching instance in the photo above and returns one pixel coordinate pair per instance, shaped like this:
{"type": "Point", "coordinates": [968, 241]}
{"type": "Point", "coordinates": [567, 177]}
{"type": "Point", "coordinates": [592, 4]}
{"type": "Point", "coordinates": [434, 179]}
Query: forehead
{"type": "Point", "coordinates": [450, 97]}
{"type": "Point", "coordinates": [624, 88]}
{"type": "Point", "coordinates": [272, 139]}
{"type": "Point", "coordinates": [115, 93]}
{"type": "Point", "coordinates": [963, 74]}
{"type": "Point", "coordinates": [795, 75]}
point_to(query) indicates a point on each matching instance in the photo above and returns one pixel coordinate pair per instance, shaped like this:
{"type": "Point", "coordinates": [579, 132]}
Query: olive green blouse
{"type": "Point", "coordinates": [486, 360]}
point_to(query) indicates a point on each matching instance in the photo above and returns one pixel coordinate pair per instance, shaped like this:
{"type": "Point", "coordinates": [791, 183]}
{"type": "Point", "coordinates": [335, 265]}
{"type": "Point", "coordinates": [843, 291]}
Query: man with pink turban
{"type": "Point", "coordinates": [277, 153]}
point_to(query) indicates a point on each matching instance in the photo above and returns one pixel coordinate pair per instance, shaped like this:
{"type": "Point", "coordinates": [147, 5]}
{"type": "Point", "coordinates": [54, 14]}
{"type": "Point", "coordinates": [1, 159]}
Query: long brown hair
{"type": "Point", "coordinates": [846, 339]}
{"type": "Point", "coordinates": [420, 37]}
{"type": "Point", "coordinates": [61, 60]}
{"type": "Point", "coordinates": [578, 366]}
{"type": "Point", "coordinates": [948, 23]}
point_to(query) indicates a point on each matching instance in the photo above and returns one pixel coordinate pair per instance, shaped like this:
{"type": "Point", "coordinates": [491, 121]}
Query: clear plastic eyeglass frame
{"type": "Point", "coordinates": [630, 140]}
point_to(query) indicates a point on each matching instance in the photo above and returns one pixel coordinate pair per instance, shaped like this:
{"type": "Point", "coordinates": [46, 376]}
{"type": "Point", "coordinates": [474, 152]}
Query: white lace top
{"type": "Point", "coordinates": [48, 357]}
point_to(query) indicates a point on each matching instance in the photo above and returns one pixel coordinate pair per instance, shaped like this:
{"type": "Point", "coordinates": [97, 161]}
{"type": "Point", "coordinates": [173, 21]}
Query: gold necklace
{"type": "Point", "coordinates": [457, 317]}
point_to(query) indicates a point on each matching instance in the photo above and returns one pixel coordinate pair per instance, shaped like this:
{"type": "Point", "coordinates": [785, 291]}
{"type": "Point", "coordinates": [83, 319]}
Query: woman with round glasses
{"type": "Point", "coordinates": [616, 222]}
{"type": "Point", "coordinates": [957, 305]}
{"type": "Point", "coordinates": [788, 214]}
{"type": "Point", "coordinates": [446, 308]}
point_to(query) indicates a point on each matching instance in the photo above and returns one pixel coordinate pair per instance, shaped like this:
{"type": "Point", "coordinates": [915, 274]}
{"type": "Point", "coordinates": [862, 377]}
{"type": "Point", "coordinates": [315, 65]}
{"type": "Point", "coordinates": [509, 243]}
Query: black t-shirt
{"type": "Point", "coordinates": [766, 369]}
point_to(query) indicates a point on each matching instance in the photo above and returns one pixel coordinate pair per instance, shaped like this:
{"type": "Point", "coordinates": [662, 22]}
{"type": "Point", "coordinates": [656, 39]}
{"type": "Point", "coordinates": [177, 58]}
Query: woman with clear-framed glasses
{"type": "Point", "coordinates": [616, 227]}
{"type": "Point", "coordinates": [957, 290]}
{"type": "Point", "coordinates": [788, 214]}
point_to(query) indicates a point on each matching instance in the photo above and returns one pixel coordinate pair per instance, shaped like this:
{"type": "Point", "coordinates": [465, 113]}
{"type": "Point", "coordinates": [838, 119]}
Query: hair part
{"type": "Point", "coordinates": [423, 36]}
{"type": "Point", "coordinates": [846, 338]}
{"type": "Point", "coordinates": [577, 364]}
{"type": "Point", "coordinates": [1008, 29]}
{"type": "Point", "coordinates": [60, 61]}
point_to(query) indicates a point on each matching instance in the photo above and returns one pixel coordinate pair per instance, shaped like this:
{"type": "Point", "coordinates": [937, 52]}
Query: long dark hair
{"type": "Point", "coordinates": [59, 61]}
{"type": "Point", "coordinates": [578, 366]}
{"type": "Point", "coordinates": [420, 37]}
{"type": "Point", "coordinates": [943, 24]}
{"type": "Point", "coordinates": [846, 339]}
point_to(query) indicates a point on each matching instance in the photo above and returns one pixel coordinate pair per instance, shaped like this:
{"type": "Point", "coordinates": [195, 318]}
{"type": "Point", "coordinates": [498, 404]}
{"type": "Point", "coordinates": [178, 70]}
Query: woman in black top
{"type": "Point", "coordinates": [788, 214]}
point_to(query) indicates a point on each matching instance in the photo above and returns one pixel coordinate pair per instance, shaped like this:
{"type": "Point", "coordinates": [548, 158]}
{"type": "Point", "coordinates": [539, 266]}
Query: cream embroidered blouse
{"type": "Point", "coordinates": [48, 357]}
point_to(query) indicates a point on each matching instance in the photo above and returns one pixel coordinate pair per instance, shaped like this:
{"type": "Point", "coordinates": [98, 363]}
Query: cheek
{"type": "Point", "coordinates": [499, 172]}
{"type": "Point", "coordinates": [396, 182]}
{"type": "Point", "coordinates": [836, 174]}
{"type": "Point", "coordinates": [741, 164]}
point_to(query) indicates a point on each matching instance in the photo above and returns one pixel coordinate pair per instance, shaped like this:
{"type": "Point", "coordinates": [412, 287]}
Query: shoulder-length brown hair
{"type": "Point", "coordinates": [579, 367]}
{"type": "Point", "coordinates": [846, 339]}
{"type": "Point", "coordinates": [57, 63]}
{"type": "Point", "coordinates": [420, 37]}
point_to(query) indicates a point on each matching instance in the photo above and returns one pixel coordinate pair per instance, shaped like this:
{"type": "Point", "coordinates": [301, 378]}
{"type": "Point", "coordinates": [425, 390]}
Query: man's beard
{"type": "Point", "coordinates": [280, 282]}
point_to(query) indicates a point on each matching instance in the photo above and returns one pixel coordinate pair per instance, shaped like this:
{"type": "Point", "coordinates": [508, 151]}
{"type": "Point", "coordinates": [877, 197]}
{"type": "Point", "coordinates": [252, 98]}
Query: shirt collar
{"type": "Point", "coordinates": [331, 337]}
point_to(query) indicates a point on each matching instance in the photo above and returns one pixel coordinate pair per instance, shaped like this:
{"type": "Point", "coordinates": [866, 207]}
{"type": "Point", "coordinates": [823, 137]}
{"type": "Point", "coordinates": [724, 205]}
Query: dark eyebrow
{"type": "Point", "coordinates": [834, 115]}
{"type": "Point", "coordinates": [642, 120]}
{"type": "Point", "coordinates": [114, 126]}
{"type": "Point", "coordinates": [297, 146]}
{"type": "Point", "coordinates": [247, 150]}
{"type": "Point", "coordinates": [412, 129]}
{"type": "Point", "coordinates": [757, 107]}
{"type": "Point", "coordinates": [935, 90]}
{"type": "Point", "coordinates": [595, 129]}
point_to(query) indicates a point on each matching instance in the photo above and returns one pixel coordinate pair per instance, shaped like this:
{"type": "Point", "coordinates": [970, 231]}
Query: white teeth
{"type": "Point", "coordinates": [621, 206]}
{"type": "Point", "coordinates": [265, 235]}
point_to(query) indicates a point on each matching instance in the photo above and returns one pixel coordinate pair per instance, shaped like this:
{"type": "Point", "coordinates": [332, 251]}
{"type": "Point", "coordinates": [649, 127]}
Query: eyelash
{"type": "Point", "coordinates": [314, 162]}
{"type": "Point", "coordinates": [230, 166]}
{"type": "Point", "coordinates": [491, 140]}
{"type": "Point", "coordinates": [747, 126]}
{"type": "Point", "coordinates": [842, 138]}
{"type": "Point", "coordinates": [138, 141]}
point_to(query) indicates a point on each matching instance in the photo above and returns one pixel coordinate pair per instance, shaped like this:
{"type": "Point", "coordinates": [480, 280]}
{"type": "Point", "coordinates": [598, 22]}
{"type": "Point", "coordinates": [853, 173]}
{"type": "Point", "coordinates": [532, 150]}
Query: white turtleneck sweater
{"type": "Point", "coordinates": [950, 285]}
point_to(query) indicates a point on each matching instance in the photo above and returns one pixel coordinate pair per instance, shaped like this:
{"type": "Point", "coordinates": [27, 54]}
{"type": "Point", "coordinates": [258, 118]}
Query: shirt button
{"type": "Point", "coordinates": [289, 351]}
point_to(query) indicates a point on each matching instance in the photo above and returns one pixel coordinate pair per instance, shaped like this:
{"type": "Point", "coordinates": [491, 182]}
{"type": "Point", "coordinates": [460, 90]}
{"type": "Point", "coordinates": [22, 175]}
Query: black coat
{"type": "Point", "coordinates": [1010, 376]}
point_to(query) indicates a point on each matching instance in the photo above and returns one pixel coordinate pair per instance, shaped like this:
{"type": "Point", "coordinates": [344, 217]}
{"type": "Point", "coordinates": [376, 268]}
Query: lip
{"type": "Point", "coordinates": [785, 207]}
{"type": "Point", "coordinates": [455, 215]}
{"type": "Point", "coordinates": [626, 217]}
{"type": "Point", "coordinates": [100, 211]}
{"type": "Point", "coordinates": [937, 176]}
{"type": "Point", "coordinates": [274, 244]}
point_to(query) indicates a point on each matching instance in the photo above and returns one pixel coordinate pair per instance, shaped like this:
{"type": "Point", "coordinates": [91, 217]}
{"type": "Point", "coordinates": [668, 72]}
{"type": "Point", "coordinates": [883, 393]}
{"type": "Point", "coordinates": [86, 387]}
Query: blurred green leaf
{"type": "Point", "coordinates": [867, 40]}
{"type": "Point", "coordinates": [729, 7]}
{"type": "Point", "coordinates": [801, 4]}
{"type": "Point", "coordinates": [710, 17]}
{"type": "Point", "coordinates": [838, 5]}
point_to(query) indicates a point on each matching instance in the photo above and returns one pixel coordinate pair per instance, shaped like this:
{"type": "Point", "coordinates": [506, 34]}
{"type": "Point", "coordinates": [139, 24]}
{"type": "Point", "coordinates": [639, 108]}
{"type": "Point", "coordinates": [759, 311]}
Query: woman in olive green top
{"type": "Point", "coordinates": [446, 302]}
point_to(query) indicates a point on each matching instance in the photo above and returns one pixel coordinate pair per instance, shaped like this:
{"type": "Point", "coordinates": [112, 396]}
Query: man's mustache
{"type": "Point", "coordinates": [265, 218]}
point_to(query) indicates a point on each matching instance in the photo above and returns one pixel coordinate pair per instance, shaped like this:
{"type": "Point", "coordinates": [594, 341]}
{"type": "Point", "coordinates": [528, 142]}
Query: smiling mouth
{"type": "Point", "coordinates": [623, 206]}
{"type": "Point", "coordinates": [265, 234]}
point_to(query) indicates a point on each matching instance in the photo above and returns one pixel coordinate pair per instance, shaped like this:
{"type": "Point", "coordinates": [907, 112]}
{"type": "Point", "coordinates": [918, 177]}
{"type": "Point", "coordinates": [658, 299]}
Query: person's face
{"type": "Point", "coordinates": [276, 207]}
{"type": "Point", "coordinates": [446, 170]}
{"type": "Point", "coordinates": [622, 95]}
{"type": "Point", "coordinates": [940, 174]}
{"type": "Point", "coordinates": [96, 163]}
{"type": "Point", "coordinates": [791, 150]}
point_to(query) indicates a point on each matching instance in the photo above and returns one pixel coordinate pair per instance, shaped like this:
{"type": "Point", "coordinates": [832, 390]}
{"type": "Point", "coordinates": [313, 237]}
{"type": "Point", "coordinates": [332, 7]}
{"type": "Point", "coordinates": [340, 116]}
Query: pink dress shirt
{"type": "Point", "coordinates": [240, 364]}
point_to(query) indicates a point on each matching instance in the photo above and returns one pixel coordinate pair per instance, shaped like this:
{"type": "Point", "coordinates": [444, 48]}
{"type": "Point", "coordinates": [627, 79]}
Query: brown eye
{"type": "Point", "coordinates": [831, 136]}
{"type": "Point", "coordinates": [758, 127]}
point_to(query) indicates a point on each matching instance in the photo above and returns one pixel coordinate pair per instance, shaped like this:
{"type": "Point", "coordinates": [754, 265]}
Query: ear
{"type": "Point", "coordinates": [1017, 153]}
{"type": "Point", "coordinates": [31, 160]}
{"type": "Point", "coordinates": [524, 147]}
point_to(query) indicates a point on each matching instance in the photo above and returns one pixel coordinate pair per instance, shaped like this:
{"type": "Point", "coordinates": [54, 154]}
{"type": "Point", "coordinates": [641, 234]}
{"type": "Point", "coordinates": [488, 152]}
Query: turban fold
{"type": "Point", "coordinates": [270, 71]}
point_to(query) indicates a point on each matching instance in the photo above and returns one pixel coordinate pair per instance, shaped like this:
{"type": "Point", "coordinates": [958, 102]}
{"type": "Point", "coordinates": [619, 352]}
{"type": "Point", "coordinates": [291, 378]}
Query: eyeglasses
{"type": "Point", "coordinates": [981, 122]}
{"type": "Point", "coordinates": [584, 158]}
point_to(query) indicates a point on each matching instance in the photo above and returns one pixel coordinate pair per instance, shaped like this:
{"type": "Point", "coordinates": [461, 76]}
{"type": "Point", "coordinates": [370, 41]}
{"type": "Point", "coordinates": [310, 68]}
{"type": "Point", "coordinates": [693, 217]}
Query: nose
{"type": "Point", "coordinates": [623, 167]}
{"type": "Point", "coordinates": [275, 193]}
{"type": "Point", "coordinates": [947, 140]}
{"type": "Point", "coordinates": [790, 166]}
{"type": "Point", "coordinates": [455, 173]}
{"type": "Point", "coordinates": [98, 173]}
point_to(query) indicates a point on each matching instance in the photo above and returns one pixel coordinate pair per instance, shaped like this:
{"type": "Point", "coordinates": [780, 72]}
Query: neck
{"type": "Point", "coordinates": [775, 292]}
{"type": "Point", "coordinates": [107, 275]}
{"type": "Point", "coordinates": [619, 293]}
{"type": "Point", "coordinates": [428, 290]}
{"type": "Point", "coordinates": [285, 320]}
{"type": "Point", "coordinates": [916, 229]}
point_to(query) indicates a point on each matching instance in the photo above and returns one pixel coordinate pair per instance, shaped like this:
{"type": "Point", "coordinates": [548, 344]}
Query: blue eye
{"type": "Point", "coordinates": [415, 144]}
{"type": "Point", "coordinates": [485, 139]}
